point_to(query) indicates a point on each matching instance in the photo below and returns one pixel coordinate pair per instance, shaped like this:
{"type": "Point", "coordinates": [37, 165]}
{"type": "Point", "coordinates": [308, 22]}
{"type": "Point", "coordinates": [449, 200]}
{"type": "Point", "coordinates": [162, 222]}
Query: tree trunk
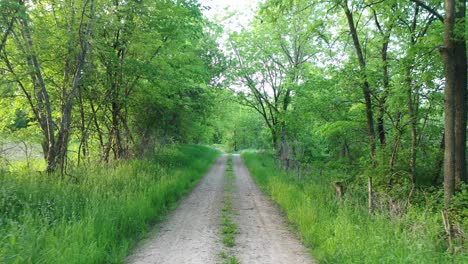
{"type": "Point", "coordinates": [284, 148]}
{"type": "Point", "coordinates": [42, 97]}
{"type": "Point", "coordinates": [344, 150]}
{"type": "Point", "coordinates": [55, 149]}
{"type": "Point", "coordinates": [83, 146]}
{"type": "Point", "coordinates": [413, 124]}
{"type": "Point", "coordinates": [365, 83]}
{"type": "Point", "coordinates": [275, 141]}
{"type": "Point", "coordinates": [98, 127]}
{"type": "Point", "coordinates": [454, 56]}
{"type": "Point", "coordinates": [386, 87]}
{"type": "Point", "coordinates": [381, 125]}
{"type": "Point", "coordinates": [370, 193]}
{"type": "Point", "coordinates": [116, 137]}
{"type": "Point", "coordinates": [61, 147]}
{"type": "Point", "coordinates": [391, 162]}
{"type": "Point", "coordinates": [439, 163]}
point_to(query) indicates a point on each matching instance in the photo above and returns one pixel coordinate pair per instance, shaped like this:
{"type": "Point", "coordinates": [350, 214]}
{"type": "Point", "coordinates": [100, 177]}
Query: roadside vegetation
{"type": "Point", "coordinates": [229, 229]}
{"type": "Point", "coordinates": [343, 231]}
{"type": "Point", "coordinates": [98, 214]}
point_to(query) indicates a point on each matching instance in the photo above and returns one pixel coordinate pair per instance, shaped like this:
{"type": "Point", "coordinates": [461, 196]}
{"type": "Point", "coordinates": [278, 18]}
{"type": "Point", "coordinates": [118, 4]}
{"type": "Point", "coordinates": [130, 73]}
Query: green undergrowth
{"type": "Point", "coordinates": [229, 229]}
{"type": "Point", "coordinates": [97, 214]}
{"type": "Point", "coordinates": [343, 232]}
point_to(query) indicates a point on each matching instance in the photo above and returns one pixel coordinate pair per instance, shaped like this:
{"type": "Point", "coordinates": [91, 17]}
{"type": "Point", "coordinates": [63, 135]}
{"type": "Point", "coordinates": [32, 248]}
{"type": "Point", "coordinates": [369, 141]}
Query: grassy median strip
{"type": "Point", "coordinates": [228, 227]}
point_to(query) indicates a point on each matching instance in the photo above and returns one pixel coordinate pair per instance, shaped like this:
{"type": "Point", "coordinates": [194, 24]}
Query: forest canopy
{"type": "Point", "coordinates": [105, 80]}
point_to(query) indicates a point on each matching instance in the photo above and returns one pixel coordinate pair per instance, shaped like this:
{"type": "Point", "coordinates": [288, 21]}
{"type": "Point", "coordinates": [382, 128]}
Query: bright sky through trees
{"type": "Point", "coordinates": [232, 14]}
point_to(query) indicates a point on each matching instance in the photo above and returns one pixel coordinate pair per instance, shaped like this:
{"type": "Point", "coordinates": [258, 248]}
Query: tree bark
{"type": "Point", "coordinates": [461, 97]}
{"type": "Point", "coordinates": [454, 55]}
{"type": "Point", "coordinates": [439, 163]}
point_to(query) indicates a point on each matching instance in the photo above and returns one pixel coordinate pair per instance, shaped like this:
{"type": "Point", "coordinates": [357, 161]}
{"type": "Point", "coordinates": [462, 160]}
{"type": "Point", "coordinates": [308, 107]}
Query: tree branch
{"type": "Point", "coordinates": [429, 9]}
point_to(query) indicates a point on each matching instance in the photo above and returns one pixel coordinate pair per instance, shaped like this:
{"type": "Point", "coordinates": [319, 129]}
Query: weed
{"type": "Point", "coordinates": [229, 229]}
{"type": "Point", "coordinates": [99, 215]}
{"type": "Point", "coordinates": [227, 258]}
{"type": "Point", "coordinates": [345, 232]}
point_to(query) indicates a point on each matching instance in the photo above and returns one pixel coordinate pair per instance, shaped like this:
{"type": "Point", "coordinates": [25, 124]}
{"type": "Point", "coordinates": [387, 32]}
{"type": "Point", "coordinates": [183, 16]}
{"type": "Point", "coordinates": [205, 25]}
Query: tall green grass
{"type": "Point", "coordinates": [344, 232]}
{"type": "Point", "coordinates": [97, 214]}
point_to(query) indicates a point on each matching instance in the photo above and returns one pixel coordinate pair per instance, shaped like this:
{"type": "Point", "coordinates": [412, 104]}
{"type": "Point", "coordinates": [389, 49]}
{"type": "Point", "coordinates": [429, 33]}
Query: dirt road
{"type": "Point", "coordinates": [191, 233]}
{"type": "Point", "coordinates": [264, 235]}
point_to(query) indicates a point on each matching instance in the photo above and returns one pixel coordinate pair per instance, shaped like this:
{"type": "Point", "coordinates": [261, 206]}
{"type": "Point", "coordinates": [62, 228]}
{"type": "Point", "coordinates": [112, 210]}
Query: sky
{"type": "Point", "coordinates": [231, 14]}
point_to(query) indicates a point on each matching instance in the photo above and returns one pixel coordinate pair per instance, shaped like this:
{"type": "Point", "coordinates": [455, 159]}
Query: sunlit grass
{"type": "Point", "coordinates": [346, 233]}
{"type": "Point", "coordinates": [97, 215]}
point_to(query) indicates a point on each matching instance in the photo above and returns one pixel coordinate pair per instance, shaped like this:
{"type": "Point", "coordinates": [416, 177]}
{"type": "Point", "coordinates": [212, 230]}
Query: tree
{"type": "Point", "coordinates": [271, 60]}
{"type": "Point", "coordinates": [55, 137]}
{"type": "Point", "coordinates": [88, 70]}
{"type": "Point", "coordinates": [454, 56]}
{"type": "Point", "coordinates": [366, 90]}
{"type": "Point", "coordinates": [455, 106]}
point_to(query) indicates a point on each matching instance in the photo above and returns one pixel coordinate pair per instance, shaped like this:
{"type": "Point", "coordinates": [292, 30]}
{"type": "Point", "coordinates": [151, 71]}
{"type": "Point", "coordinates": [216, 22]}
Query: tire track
{"type": "Point", "coordinates": [191, 233]}
{"type": "Point", "coordinates": [264, 237]}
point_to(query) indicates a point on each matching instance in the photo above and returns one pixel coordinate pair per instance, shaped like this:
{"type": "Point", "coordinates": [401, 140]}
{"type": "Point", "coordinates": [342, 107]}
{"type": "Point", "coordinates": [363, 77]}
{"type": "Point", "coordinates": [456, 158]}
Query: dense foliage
{"type": "Point", "coordinates": [302, 74]}
{"type": "Point", "coordinates": [376, 88]}
{"type": "Point", "coordinates": [105, 80]}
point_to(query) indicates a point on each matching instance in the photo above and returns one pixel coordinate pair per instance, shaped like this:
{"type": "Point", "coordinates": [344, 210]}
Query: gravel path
{"type": "Point", "coordinates": [264, 235]}
{"type": "Point", "coordinates": [191, 233]}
